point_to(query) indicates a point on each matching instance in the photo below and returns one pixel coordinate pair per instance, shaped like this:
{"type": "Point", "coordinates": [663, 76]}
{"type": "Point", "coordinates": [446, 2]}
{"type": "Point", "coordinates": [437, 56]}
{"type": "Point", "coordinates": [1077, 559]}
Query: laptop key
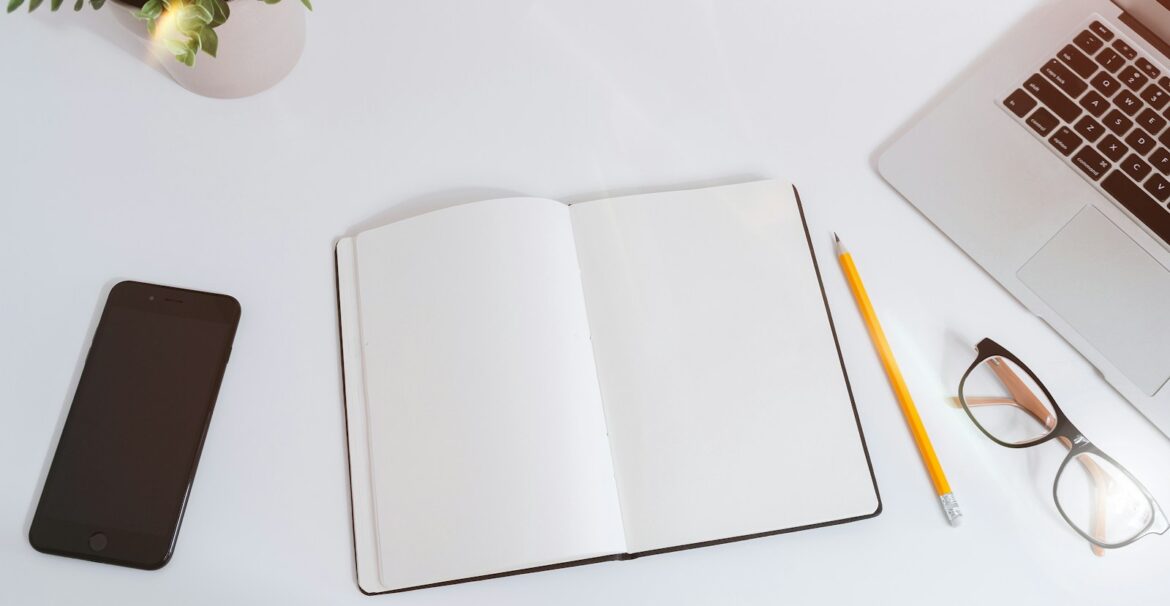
{"type": "Point", "coordinates": [1087, 42]}
{"type": "Point", "coordinates": [1155, 96]}
{"type": "Point", "coordinates": [1042, 121]}
{"type": "Point", "coordinates": [1135, 167]}
{"type": "Point", "coordinates": [1151, 121]}
{"type": "Point", "coordinates": [1160, 159]}
{"type": "Point", "coordinates": [1110, 60]}
{"type": "Point", "coordinates": [1101, 31]}
{"type": "Point", "coordinates": [1140, 141]}
{"type": "Point", "coordinates": [1127, 102]}
{"type": "Point", "coordinates": [1063, 77]}
{"type": "Point", "coordinates": [1131, 77]}
{"type": "Point", "coordinates": [1117, 122]}
{"type": "Point", "coordinates": [1094, 103]}
{"type": "Point", "coordinates": [1125, 50]}
{"type": "Point", "coordinates": [1112, 147]}
{"type": "Point", "coordinates": [1052, 98]}
{"type": "Point", "coordinates": [1090, 162]}
{"type": "Point", "coordinates": [1065, 141]}
{"type": "Point", "coordinates": [1158, 187]}
{"type": "Point", "coordinates": [1146, 67]}
{"type": "Point", "coordinates": [1105, 84]}
{"type": "Point", "coordinates": [1089, 128]}
{"type": "Point", "coordinates": [1138, 202]}
{"type": "Point", "coordinates": [1078, 61]}
{"type": "Point", "coordinates": [1020, 103]}
{"type": "Point", "coordinates": [1164, 82]}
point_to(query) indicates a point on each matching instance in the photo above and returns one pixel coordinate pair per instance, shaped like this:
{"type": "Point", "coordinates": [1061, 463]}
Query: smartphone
{"type": "Point", "coordinates": [123, 469]}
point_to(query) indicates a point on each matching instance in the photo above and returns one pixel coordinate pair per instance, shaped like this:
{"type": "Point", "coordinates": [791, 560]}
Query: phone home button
{"type": "Point", "coordinates": [98, 541]}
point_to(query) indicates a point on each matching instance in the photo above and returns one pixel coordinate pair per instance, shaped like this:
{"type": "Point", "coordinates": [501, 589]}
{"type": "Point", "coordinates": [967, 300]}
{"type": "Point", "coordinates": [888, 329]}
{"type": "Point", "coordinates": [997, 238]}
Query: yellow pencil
{"type": "Point", "coordinates": [941, 486]}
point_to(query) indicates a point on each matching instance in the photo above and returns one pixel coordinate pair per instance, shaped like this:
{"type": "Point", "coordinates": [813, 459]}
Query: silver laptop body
{"type": "Point", "coordinates": [1048, 162]}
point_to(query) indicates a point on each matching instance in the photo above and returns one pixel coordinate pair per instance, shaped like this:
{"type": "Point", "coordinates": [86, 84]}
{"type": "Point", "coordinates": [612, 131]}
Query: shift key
{"type": "Point", "coordinates": [1052, 98]}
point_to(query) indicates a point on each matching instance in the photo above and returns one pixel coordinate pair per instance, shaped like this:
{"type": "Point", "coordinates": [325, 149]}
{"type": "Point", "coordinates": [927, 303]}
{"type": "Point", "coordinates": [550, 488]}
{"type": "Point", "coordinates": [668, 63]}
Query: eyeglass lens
{"type": "Point", "coordinates": [1006, 403]}
{"type": "Point", "coordinates": [1101, 500]}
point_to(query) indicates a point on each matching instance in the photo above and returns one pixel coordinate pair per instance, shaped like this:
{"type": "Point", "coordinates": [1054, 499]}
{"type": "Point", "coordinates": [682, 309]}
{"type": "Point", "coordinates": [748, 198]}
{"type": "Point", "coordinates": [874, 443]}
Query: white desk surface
{"type": "Point", "coordinates": [109, 170]}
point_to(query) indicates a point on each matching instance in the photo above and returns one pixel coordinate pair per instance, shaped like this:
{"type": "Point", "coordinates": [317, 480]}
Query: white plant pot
{"type": "Point", "coordinates": [259, 45]}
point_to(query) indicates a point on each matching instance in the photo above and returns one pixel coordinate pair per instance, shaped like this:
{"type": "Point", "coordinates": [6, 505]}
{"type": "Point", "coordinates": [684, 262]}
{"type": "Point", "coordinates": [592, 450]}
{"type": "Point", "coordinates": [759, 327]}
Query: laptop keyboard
{"type": "Point", "coordinates": [1104, 108]}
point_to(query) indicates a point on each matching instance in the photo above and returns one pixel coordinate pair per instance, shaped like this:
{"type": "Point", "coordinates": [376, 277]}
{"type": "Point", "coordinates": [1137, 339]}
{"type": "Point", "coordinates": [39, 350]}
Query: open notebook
{"type": "Point", "coordinates": [531, 385]}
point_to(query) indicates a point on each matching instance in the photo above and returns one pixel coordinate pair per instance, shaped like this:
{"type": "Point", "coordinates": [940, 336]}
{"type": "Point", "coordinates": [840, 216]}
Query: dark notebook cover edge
{"type": "Point", "coordinates": [345, 415]}
{"type": "Point", "coordinates": [840, 358]}
{"type": "Point", "coordinates": [623, 556]}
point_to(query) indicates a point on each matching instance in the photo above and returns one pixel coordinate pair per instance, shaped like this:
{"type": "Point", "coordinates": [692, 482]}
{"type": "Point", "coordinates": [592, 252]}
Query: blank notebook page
{"type": "Point", "coordinates": [725, 399]}
{"type": "Point", "coordinates": [488, 449]}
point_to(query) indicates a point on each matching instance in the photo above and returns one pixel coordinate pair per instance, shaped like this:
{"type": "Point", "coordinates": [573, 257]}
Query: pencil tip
{"type": "Point", "coordinates": [835, 238]}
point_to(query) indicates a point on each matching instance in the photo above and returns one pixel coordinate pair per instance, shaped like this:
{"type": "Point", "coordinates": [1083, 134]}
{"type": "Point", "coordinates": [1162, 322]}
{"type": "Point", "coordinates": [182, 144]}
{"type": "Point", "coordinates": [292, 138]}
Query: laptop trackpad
{"type": "Point", "coordinates": [1113, 293]}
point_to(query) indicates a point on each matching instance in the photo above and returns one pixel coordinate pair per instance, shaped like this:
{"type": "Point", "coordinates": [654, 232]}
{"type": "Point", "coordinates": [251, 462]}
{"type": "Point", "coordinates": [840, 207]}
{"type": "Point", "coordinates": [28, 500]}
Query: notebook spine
{"type": "Point", "coordinates": [357, 438]}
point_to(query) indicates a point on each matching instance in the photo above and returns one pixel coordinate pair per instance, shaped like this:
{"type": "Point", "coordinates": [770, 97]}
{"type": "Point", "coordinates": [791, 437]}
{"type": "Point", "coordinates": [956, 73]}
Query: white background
{"type": "Point", "coordinates": [109, 170]}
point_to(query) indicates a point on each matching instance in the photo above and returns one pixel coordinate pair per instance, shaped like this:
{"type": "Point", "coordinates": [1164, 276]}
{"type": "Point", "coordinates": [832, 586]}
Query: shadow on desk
{"type": "Point", "coordinates": [113, 25]}
{"type": "Point", "coordinates": [413, 207]}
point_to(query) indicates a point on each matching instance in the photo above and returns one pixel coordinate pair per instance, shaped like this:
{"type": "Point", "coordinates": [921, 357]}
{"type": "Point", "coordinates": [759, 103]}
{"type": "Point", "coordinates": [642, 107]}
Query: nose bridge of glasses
{"type": "Point", "coordinates": [1074, 441]}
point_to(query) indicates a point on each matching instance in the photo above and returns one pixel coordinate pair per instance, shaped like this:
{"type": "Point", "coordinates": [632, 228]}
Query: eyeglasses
{"type": "Point", "coordinates": [1094, 494]}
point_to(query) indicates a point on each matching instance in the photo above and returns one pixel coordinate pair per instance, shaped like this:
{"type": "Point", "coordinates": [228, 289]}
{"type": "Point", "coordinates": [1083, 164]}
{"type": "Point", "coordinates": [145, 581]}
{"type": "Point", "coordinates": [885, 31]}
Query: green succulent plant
{"type": "Point", "coordinates": [183, 27]}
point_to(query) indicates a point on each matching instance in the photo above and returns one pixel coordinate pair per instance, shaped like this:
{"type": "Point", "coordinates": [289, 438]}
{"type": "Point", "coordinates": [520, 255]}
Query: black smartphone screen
{"type": "Point", "coordinates": [120, 477]}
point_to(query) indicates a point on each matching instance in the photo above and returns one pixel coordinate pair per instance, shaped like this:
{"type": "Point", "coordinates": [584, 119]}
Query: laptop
{"type": "Point", "coordinates": [1048, 162]}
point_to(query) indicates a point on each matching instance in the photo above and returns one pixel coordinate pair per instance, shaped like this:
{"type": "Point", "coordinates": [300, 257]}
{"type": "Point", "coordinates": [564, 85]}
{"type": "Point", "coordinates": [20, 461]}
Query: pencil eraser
{"type": "Point", "coordinates": [951, 508]}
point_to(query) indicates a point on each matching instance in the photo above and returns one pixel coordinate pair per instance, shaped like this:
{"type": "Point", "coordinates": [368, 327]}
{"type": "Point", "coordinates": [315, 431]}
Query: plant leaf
{"type": "Point", "coordinates": [34, 5]}
{"type": "Point", "coordinates": [176, 47]}
{"type": "Point", "coordinates": [78, 5]}
{"type": "Point", "coordinates": [191, 18]}
{"type": "Point", "coordinates": [55, 4]}
{"type": "Point", "coordinates": [189, 24]}
{"type": "Point", "coordinates": [199, 12]}
{"type": "Point", "coordinates": [221, 13]}
{"type": "Point", "coordinates": [150, 11]}
{"type": "Point", "coordinates": [209, 40]}
{"type": "Point", "coordinates": [152, 8]}
{"type": "Point", "coordinates": [308, 5]}
{"type": "Point", "coordinates": [192, 50]}
{"type": "Point", "coordinates": [96, 4]}
{"type": "Point", "coordinates": [14, 4]}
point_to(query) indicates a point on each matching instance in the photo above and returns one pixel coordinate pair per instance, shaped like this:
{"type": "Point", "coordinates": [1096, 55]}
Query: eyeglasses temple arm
{"type": "Point", "coordinates": [1042, 416]}
{"type": "Point", "coordinates": [1024, 396]}
{"type": "Point", "coordinates": [1100, 496]}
